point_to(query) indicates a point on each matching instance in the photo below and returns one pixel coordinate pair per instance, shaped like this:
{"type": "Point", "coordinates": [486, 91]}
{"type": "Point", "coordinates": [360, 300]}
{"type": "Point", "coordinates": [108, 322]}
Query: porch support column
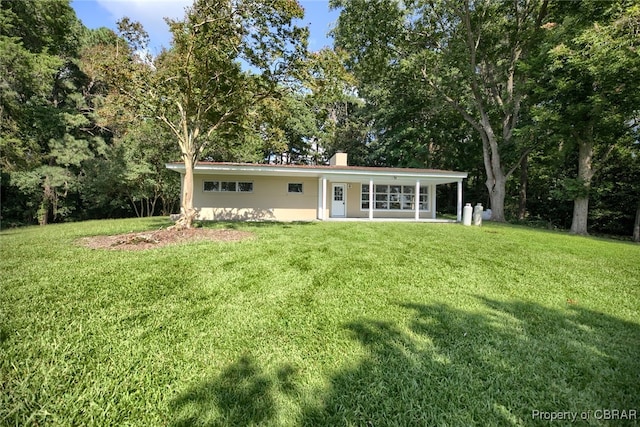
{"type": "Point", "coordinates": [319, 204]}
{"type": "Point", "coordinates": [417, 200]}
{"type": "Point", "coordinates": [370, 199]}
{"type": "Point", "coordinates": [432, 200]}
{"type": "Point", "coordinates": [459, 206]}
{"type": "Point", "coordinates": [324, 198]}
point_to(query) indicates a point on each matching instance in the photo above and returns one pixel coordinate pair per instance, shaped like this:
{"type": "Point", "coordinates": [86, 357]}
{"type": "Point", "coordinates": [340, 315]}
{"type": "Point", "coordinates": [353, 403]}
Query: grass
{"type": "Point", "coordinates": [318, 324]}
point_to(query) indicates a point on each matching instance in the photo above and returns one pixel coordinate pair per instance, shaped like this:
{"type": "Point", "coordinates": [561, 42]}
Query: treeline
{"type": "Point", "coordinates": [88, 118]}
{"type": "Point", "coordinates": [67, 153]}
{"type": "Point", "coordinates": [538, 100]}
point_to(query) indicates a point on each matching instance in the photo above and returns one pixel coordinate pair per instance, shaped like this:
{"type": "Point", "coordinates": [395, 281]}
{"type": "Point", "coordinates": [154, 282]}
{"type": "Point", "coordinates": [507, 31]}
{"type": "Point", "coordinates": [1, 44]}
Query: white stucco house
{"type": "Point", "coordinates": [247, 191]}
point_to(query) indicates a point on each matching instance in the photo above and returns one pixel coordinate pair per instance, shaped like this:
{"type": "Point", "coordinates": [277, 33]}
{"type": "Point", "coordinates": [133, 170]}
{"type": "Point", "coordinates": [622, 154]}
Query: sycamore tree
{"type": "Point", "coordinates": [226, 56]}
{"type": "Point", "coordinates": [463, 54]}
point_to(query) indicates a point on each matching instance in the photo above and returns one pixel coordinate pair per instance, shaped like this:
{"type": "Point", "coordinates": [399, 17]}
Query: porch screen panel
{"type": "Point", "coordinates": [393, 197]}
{"type": "Point", "coordinates": [381, 197]}
{"type": "Point", "coordinates": [364, 198]}
{"type": "Point", "coordinates": [408, 197]}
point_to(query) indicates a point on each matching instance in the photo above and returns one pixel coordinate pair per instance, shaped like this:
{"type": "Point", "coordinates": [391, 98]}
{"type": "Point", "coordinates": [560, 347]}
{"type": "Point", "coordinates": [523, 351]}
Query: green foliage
{"type": "Point", "coordinates": [316, 324]}
{"type": "Point", "coordinates": [571, 189]}
{"type": "Point", "coordinates": [132, 175]}
{"type": "Point", "coordinates": [26, 83]}
{"type": "Point", "coordinates": [197, 89]}
{"type": "Point", "coordinates": [401, 89]}
{"type": "Point", "coordinates": [588, 74]}
{"type": "Point", "coordinates": [591, 74]}
{"type": "Point", "coordinates": [431, 58]}
{"type": "Point", "coordinates": [616, 193]}
{"type": "Point", "coordinates": [58, 122]}
{"type": "Point", "coordinates": [42, 118]}
{"type": "Point", "coordinates": [287, 127]}
{"type": "Point", "coordinates": [199, 82]}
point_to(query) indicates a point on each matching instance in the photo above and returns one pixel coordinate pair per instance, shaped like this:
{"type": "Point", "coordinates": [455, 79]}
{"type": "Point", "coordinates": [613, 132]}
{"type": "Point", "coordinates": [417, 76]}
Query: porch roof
{"type": "Point", "coordinates": [335, 173]}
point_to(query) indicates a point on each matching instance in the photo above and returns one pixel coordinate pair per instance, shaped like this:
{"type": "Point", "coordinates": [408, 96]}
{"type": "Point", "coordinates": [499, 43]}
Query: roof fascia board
{"type": "Point", "coordinates": [334, 174]}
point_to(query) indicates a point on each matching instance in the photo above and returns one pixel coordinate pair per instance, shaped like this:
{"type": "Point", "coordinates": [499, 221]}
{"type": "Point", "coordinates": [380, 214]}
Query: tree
{"type": "Point", "coordinates": [466, 54]}
{"type": "Point", "coordinates": [43, 118]}
{"type": "Point", "coordinates": [198, 89]}
{"type": "Point", "coordinates": [332, 99]}
{"type": "Point", "coordinates": [131, 175]}
{"type": "Point", "coordinates": [589, 88]}
{"type": "Point", "coordinates": [615, 192]}
{"type": "Point", "coordinates": [286, 126]}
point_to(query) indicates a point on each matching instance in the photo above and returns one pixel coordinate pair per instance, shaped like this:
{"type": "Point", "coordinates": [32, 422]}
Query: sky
{"type": "Point", "coordinates": [151, 13]}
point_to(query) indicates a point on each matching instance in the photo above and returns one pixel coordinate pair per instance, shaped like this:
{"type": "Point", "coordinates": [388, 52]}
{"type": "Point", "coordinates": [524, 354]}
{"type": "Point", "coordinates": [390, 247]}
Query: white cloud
{"type": "Point", "coordinates": [150, 13]}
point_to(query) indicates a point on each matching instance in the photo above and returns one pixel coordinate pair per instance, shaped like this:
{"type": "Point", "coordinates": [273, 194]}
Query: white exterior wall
{"type": "Point", "coordinates": [270, 199]}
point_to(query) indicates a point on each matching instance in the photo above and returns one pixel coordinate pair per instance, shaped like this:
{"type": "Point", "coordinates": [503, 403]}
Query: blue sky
{"type": "Point", "coordinates": [105, 13]}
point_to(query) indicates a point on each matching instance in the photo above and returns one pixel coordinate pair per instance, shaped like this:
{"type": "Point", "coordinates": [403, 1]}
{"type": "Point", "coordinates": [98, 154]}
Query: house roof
{"type": "Point", "coordinates": [342, 173]}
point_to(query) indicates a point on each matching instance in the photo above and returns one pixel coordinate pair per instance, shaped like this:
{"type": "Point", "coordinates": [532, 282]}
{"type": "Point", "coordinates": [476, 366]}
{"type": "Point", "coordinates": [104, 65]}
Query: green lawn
{"type": "Point", "coordinates": [318, 324]}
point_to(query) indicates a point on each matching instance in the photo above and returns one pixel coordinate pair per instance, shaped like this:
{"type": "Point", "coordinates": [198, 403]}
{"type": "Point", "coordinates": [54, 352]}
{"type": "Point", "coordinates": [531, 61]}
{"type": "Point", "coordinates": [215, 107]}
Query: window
{"type": "Point", "coordinates": [424, 198]}
{"type": "Point", "coordinates": [228, 186]}
{"type": "Point", "coordinates": [211, 186]}
{"type": "Point", "coordinates": [295, 187]}
{"type": "Point", "coordinates": [364, 199]}
{"type": "Point", "coordinates": [245, 187]}
{"type": "Point", "coordinates": [394, 197]}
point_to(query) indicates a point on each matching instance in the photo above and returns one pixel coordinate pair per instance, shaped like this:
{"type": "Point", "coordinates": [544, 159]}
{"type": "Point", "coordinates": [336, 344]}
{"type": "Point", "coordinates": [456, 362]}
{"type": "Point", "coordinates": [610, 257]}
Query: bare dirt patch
{"type": "Point", "coordinates": [160, 238]}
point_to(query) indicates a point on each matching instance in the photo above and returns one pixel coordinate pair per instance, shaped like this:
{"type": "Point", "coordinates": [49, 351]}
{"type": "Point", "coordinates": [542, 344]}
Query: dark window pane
{"type": "Point", "coordinates": [381, 205]}
{"type": "Point", "coordinates": [245, 187]}
{"type": "Point", "coordinates": [211, 186]}
{"type": "Point", "coordinates": [295, 187]}
{"type": "Point", "coordinates": [227, 186]}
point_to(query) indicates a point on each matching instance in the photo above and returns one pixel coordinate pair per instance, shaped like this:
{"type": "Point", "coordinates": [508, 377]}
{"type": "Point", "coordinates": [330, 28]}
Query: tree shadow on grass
{"type": "Point", "coordinates": [445, 366]}
{"type": "Point", "coordinates": [242, 395]}
{"type": "Point", "coordinates": [495, 367]}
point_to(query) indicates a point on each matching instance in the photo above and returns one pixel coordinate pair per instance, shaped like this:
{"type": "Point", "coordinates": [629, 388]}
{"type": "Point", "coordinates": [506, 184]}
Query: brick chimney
{"type": "Point", "coordinates": [338, 159]}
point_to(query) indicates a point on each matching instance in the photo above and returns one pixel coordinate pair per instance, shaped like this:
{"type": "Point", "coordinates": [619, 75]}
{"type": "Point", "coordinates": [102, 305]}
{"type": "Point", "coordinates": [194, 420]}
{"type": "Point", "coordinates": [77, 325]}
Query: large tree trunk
{"type": "Point", "coordinates": [496, 178]}
{"type": "Point", "coordinates": [45, 205]}
{"type": "Point", "coordinates": [580, 214]}
{"type": "Point", "coordinates": [497, 191]}
{"type": "Point", "coordinates": [188, 212]}
{"type": "Point", "coordinates": [581, 202]}
{"type": "Point", "coordinates": [524, 179]}
{"type": "Point", "coordinates": [636, 225]}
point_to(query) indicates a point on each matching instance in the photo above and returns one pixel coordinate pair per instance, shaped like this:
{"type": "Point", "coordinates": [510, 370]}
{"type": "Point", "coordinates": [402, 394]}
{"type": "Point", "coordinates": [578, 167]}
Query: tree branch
{"type": "Point", "coordinates": [452, 102]}
{"type": "Point", "coordinates": [515, 166]}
